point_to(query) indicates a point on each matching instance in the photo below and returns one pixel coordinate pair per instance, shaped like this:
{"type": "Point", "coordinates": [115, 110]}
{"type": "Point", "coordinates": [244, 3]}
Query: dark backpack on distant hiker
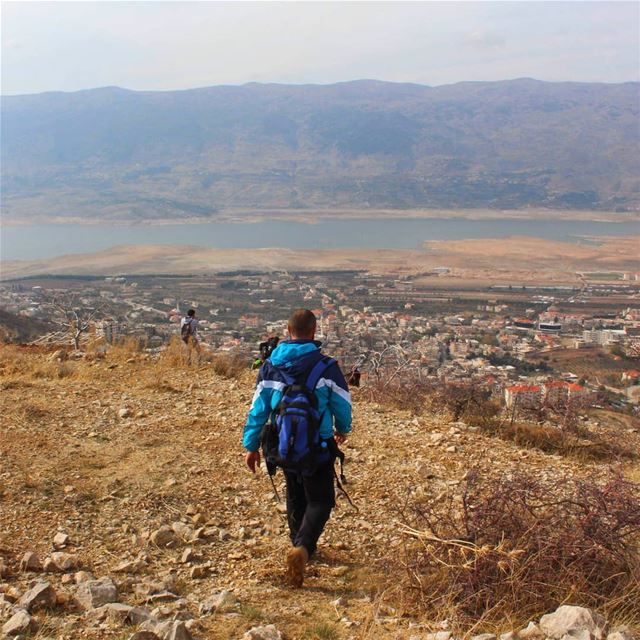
{"type": "Point", "coordinates": [186, 331]}
{"type": "Point", "coordinates": [292, 439]}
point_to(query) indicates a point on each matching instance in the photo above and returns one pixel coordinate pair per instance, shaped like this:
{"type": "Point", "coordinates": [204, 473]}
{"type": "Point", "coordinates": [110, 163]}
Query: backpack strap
{"type": "Point", "coordinates": [316, 373]}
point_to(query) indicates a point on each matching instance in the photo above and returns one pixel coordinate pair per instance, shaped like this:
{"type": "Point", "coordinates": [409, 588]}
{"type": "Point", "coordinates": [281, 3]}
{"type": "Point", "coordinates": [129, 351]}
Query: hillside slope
{"type": "Point", "coordinates": [107, 450]}
{"type": "Point", "coordinates": [116, 154]}
{"type": "Point", "coordinates": [21, 329]}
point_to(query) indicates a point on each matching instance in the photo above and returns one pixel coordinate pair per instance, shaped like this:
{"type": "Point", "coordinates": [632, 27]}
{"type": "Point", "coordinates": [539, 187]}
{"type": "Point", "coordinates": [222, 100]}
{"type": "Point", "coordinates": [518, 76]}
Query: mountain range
{"type": "Point", "coordinates": [115, 154]}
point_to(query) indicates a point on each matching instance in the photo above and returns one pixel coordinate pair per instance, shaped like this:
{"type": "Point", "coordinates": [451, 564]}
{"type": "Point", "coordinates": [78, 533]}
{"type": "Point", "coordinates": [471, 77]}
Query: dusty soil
{"type": "Point", "coordinates": [69, 462]}
{"type": "Point", "coordinates": [516, 259]}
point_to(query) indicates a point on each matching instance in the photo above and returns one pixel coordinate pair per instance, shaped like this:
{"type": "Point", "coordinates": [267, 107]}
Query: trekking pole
{"type": "Point", "coordinates": [343, 490]}
{"type": "Point", "coordinates": [341, 479]}
{"type": "Point", "coordinates": [275, 490]}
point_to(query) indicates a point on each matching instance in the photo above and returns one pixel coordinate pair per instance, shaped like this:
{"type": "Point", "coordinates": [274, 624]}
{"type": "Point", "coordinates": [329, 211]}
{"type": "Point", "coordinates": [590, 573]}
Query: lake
{"type": "Point", "coordinates": [48, 240]}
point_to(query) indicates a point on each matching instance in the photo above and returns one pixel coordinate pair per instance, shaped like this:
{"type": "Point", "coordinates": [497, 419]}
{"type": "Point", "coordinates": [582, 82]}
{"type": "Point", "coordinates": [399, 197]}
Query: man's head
{"type": "Point", "coordinates": [191, 313]}
{"type": "Point", "coordinates": [302, 325]}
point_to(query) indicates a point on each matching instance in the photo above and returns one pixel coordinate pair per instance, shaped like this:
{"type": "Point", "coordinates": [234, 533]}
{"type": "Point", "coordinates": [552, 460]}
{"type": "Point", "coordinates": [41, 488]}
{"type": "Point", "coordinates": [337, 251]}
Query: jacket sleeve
{"type": "Point", "coordinates": [258, 414]}
{"type": "Point", "coordinates": [339, 400]}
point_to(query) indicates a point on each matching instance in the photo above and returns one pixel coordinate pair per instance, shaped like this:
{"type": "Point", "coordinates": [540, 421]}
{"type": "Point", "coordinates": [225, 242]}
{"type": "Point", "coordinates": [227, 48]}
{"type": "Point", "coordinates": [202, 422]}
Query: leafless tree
{"type": "Point", "coordinates": [466, 399]}
{"type": "Point", "coordinates": [391, 364]}
{"type": "Point", "coordinates": [564, 412]}
{"type": "Point", "coordinates": [394, 376]}
{"type": "Point", "coordinates": [74, 317]}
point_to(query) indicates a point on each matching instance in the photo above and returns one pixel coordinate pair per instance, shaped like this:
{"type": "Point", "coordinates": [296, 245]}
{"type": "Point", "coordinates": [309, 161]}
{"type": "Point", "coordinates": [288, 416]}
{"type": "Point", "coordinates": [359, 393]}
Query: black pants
{"type": "Point", "coordinates": [309, 503]}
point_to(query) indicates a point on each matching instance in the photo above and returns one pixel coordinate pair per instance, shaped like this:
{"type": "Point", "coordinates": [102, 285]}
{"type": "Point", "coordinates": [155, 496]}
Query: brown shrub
{"type": "Point", "coordinates": [518, 546]}
{"type": "Point", "coordinates": [576, 442]}
{"type": "Point", "coordinates": [407, 394]}
{"type": "Point", "coordinates": [393, 378]}
{"type": "Point", "coordinates": [562, 432]}
{"type": "Point", "coordinates": [466, 401]}
{"type": "Point", "coordinates": [406, 389]}
{"type": "Point", "coordinates": [127, 347]}
{"type": "Point", "coordinates": [174, 355]}
{"type": "Point", "coordinates": [229, 365]}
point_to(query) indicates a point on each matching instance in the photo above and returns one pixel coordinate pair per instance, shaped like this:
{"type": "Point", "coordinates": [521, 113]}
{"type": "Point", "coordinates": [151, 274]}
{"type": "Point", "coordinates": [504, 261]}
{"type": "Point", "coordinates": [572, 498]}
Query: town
{"type": "Point", "coordinates": [527, 345]}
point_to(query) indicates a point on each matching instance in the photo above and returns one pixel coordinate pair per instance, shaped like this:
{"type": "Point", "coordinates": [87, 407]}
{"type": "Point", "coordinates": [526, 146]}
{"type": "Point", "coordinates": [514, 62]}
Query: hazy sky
{"type": "Point", "coordinates": [175, 45]}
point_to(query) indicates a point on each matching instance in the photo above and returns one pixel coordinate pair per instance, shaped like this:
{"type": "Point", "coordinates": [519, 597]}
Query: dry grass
{"type": "Point", "coordinates": [161, 385]}
{"type": "Point", "coordinates": [322, 631]}
{"type": "Point", "coordinates": [173, 356]}
{"type": "Point", "coordinates": [229, 365]}
{"type": "Point", "coordinates": [30, 413]}
{"type": "Point", "coordinates": [178, 356]}
{"type": "Point", "coordinates": [563, 435]}
{"type": "Point", "coordinates": [583, 445]}
{"type": "Point", "coordinates": [18, 363]}
{"type": "Point", "coordinates": [127, 347]}
{"type": "Point", "coordinates": [516, 547]}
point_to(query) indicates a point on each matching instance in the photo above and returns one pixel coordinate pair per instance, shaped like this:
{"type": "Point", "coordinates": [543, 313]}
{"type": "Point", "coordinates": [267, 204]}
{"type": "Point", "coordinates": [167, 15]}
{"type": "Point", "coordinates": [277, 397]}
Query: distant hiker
{"type": "Point", "coordinates": [301, 397]}
{"type": "Point", "coordinates": [189, 328]}
{"type": "Point", "coordinates": [266, 349]}
{"type": "Point", "coordinates": [189, 333]}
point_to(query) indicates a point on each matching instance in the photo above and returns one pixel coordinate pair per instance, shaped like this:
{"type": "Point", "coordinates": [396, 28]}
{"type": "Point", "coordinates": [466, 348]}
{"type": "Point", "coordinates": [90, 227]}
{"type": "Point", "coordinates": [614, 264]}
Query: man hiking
{"type": "Point", "coordinates": [189, 333]}
{"type": "Point", "coordinates": [305, 397]}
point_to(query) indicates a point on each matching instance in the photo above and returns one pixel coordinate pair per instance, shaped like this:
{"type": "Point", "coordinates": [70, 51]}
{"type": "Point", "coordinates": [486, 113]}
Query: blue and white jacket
{"type": "Point", "coordinates": [297, 358]}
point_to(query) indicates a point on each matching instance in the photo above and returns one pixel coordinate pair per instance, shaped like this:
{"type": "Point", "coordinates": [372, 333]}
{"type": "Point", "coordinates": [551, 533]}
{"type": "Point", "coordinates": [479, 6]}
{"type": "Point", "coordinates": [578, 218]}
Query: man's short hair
{"type": "Point", "coordinates": [191, 313]}
{"type": "Point", "coordinates": [302, 322]}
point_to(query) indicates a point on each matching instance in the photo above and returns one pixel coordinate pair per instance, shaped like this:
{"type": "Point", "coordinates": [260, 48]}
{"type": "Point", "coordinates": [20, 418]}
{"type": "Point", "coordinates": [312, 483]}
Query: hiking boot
{"type": "Point", "coordinates": [297, 558]}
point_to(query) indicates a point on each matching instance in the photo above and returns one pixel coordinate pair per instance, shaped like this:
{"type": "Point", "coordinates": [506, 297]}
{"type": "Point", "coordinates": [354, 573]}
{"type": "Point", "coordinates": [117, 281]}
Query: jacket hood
{"type": "Point", "coordinates": [296, 356]}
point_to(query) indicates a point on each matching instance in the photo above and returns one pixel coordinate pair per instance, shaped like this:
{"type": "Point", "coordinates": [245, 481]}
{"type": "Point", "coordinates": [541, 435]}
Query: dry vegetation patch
{"type": "Point", "coordinates": [133, 441]}
{"type": "Point", "coordinates": [583, 444]}
{"type": "Point", "coordinates": [556, 430]}
{"type": "Point", "coordinates": [519, 545]}
{"type": "Point", "coordinates": [229, 365]}
{"type": "Point", "coordinates": [17, 362]}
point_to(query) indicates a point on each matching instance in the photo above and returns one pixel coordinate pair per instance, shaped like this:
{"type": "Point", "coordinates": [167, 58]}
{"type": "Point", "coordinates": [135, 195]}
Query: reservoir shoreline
{"type": "Point", "coordinates": [314, 216]}
{"type": "Point", "coordinates": [46, 241]}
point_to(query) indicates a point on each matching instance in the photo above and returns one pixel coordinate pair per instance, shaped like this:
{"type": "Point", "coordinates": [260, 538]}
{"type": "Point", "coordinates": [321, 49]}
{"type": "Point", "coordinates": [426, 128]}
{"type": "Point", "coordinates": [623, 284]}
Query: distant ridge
{"type": "Point", "coordinates": [113, 153]}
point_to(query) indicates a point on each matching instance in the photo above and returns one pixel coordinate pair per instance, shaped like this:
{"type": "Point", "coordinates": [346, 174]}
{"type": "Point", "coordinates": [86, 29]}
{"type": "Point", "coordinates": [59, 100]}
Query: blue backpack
{"type": "Point", "coordinates": [292, 439]}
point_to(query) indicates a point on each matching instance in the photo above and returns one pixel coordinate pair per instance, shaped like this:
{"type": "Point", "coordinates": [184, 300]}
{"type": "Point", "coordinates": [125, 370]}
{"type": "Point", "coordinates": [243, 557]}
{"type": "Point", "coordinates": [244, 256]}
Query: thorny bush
{"type": "Point", "coordinates": [393, 378]}
{"type": "Point", "coordinates": [520, 545]}
{"type": "Point", "coordinates": [409, 394]}
{"type": "Point", "coordinates": [467, 401]}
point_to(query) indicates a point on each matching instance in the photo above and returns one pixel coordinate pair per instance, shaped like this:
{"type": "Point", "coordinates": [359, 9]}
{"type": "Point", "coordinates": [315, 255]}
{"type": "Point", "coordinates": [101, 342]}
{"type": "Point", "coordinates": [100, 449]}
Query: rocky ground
{"type": "Point", "coordinates": [122, 481]}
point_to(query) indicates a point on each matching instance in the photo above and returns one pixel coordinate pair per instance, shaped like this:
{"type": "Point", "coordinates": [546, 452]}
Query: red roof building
{"type": "Point", "coordinates": [523, 396]}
